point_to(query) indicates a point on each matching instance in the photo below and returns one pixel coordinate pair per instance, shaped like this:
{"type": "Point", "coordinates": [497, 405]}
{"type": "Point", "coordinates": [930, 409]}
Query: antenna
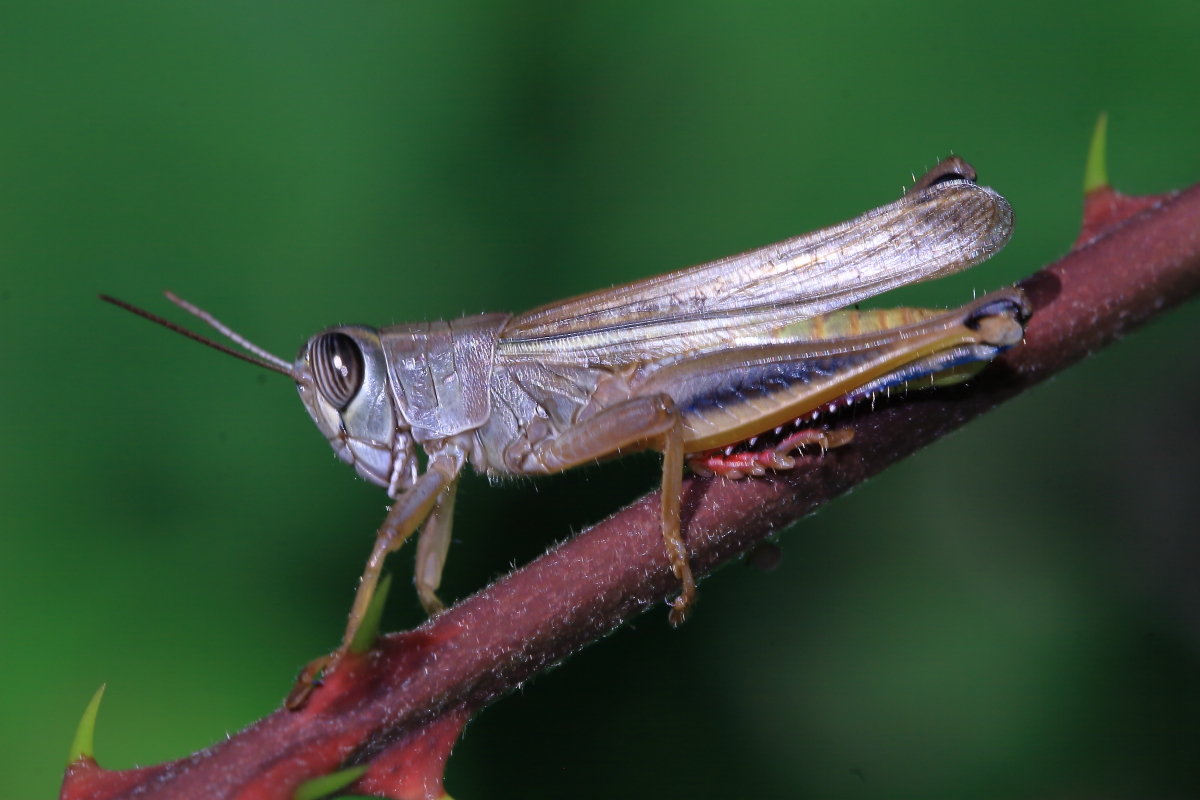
{"type": "Point", "coordinates": [261, 357]}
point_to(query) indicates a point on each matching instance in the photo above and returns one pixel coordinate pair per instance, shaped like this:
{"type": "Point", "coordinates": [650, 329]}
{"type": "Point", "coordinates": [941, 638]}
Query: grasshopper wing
{"type": "Point", "coordinates": [947, 223]}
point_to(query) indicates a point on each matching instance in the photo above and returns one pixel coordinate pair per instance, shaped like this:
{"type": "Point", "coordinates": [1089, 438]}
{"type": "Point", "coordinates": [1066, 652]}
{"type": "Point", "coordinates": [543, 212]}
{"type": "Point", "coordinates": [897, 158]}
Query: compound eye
{"type": "Point", "coordinates": [337, 368]}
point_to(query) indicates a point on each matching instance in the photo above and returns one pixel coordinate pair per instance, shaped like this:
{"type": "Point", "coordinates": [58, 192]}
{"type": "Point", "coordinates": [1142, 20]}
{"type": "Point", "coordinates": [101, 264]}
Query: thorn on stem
{"type": "Point", "coordinates": [1095, 173]}
{"type": "Point", "coordinates": [84, 743]}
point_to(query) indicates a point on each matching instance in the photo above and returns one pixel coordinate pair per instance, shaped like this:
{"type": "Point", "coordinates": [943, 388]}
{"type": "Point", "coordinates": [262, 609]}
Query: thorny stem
{"type": "Point", "coordinates": [488, 644]}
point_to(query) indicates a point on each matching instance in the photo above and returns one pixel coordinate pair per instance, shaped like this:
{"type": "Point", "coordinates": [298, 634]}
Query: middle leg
{"type": "Point", "coordinates": [641, 422]}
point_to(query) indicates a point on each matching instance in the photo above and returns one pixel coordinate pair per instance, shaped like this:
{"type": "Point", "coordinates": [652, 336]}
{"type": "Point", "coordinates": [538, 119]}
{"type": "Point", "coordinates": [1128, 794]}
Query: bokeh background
{"type": "Point", "coordinates": [1012, 614]}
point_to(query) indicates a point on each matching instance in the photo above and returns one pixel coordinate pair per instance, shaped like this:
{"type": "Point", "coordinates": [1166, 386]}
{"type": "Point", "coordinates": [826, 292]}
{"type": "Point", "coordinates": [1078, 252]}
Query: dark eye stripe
{"type": "Point", "coordinates": [338, 369]}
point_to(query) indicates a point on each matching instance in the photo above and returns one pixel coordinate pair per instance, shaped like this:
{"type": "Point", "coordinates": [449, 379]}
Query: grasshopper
{"type": "Point", "coordinates": [728, 366]}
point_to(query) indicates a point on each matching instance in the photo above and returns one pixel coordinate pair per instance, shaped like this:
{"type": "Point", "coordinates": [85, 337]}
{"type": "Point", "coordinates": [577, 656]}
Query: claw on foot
{"type": "Point", "coordinates": [308, 680]}
{"type": "Point", "coordinates": [432, 604]}
{"type": "Point", "coordinates": [679, 612]}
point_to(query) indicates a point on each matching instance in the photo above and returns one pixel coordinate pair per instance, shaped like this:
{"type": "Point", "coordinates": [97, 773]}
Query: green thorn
{"type": "Point", "coordinates": [1095, 174]}
{"type": "Point", "coordinates": [327, 784]}
{"type": "Point", "coordinates": [368, 631]}
{"type": "Point", "coordinates": [84, 743]}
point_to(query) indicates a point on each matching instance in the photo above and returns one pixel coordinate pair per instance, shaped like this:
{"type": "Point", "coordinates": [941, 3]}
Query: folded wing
{"type": "Point", "coordinates": [938, 229]}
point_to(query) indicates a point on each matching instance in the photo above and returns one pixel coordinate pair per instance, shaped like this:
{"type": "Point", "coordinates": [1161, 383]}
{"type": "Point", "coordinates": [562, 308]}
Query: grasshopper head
{"type": "Point", "coordinates": [342, 377]}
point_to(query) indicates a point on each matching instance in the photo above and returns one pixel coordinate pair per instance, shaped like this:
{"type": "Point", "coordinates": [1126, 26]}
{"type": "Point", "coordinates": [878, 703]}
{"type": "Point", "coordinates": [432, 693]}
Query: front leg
{"type": "Point", "coordinates": [409, 511]}
{"type": "Point", "coordinates": [639, 422]}
{"type": "Point", "coordinates": [432, 546]}
{"type": "Point", "coordinates": [403, 518]}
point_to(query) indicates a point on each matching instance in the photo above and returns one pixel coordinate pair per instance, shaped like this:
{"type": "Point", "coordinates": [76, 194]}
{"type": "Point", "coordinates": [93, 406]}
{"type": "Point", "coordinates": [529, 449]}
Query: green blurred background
{"type": "Point", "coordinates": [1012, 614]}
